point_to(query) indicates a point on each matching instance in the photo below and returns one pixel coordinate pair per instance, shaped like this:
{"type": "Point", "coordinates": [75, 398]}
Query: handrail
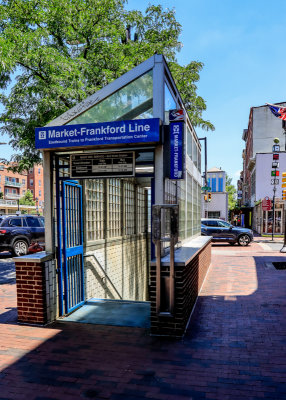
{"type": "Point", "coordinates": [105, 274]}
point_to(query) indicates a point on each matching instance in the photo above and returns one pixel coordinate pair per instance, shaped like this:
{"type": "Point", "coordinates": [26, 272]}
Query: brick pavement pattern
{"type": "Point", "coordinates": [234, 347]}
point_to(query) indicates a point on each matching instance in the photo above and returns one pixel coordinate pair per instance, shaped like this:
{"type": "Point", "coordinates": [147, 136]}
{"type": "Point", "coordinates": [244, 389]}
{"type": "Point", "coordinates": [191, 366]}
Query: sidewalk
{"type": "Point", "coordinates": [234, 347]}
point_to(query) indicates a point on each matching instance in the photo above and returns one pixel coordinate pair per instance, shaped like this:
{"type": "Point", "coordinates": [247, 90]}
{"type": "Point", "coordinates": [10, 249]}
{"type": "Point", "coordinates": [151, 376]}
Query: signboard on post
{"type": "Point", "coordinates": [176, 150]}
{"type": "Point", "coordinates": [103, 133]}
{"type": "Point", "coordinates": [266, 204]}
{"type": "Point", "coordinates": [176, 118]}
{"type": "Point", "coordinates": [102, 165]}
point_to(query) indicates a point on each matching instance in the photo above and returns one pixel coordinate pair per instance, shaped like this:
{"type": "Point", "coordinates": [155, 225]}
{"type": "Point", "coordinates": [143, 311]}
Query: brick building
{"type": "Point", "coordinates": [14, 185]}
{"type": "Point", "coordinates": [255, 181]}
{"type": "Point", "coordinates": [35, 183]}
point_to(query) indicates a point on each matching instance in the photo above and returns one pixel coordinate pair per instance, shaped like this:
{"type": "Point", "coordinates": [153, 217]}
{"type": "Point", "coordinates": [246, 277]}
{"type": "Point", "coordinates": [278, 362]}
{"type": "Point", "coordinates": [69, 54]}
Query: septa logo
{"type": "Point", "coordinates": [42, 135]}
{"type": "Point", "coordinates": [177, 115]}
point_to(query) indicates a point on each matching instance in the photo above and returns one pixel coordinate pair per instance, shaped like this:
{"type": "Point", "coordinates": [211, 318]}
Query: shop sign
{"type": "Point", "coordinates": [103, 165]}
{"type": "Point", "coordinates": [266, 204]}
{"type": "Point", "coordinates": [176, 150]}
{"type": "Point", "coordinates": [99, 134]}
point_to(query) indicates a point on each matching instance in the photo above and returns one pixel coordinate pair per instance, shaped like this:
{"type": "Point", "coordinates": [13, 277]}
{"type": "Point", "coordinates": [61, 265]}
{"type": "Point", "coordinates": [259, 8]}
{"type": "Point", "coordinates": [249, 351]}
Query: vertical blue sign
{"type": "Point", "coordinates": [176, 150]}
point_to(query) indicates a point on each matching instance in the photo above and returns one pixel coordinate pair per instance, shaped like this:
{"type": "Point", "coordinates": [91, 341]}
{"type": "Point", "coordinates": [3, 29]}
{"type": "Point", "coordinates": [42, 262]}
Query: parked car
{"type": "Point", "coordinates": [222, 231]}
{"type": "Point", "coordinates": [19, 233]}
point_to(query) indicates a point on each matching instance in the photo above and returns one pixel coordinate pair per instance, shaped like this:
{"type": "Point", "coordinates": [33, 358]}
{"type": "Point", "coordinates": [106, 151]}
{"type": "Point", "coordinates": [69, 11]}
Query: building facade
{"type": "Point", "coordinates": [256, 181]}
{"type": "Point", "coordinates": [35, 183]}
{"type": "Point", "coordinates": [217, 206]}
{"type": "Point", "coordinates": [14, 185]}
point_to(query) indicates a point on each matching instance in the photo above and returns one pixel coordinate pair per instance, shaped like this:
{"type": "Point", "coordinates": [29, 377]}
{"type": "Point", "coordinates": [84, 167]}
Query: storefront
{"type": "Point", "coordinates": [263, 219]}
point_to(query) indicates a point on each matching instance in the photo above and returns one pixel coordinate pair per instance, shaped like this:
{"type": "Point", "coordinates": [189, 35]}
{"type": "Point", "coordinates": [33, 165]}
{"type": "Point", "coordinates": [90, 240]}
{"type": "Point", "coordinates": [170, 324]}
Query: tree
{"type": "Point", "coordinates": [55, 53]}
{"type": "Point", "coordinates": [231, 190]}
{"type": "Point", "coordinates": [27, 199]}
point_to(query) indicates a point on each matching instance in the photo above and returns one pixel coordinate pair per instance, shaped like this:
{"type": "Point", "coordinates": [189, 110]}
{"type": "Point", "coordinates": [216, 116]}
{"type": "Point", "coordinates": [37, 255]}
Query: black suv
{"type": "Point", "coordinates": [222, 231]}
{"type": "Point", "coordinates": [17, 233]}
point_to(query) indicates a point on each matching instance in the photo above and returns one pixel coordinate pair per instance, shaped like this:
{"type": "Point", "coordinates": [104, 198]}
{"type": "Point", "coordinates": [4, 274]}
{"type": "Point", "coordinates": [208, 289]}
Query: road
{"type": "Point", "coordinates": [7, 268]}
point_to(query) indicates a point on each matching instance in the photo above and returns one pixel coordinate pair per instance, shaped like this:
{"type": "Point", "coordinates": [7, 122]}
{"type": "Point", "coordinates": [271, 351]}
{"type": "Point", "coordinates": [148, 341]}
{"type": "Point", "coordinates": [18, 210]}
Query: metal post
{"type": "Point", "coordinates": [283, 250]}
{"type": "Point", "coordinates": [158, 276]}
{"type": "Point", "coordinates": [273, 207]}
{"type": "Point", "coordinates": [172, 276]}
{"type": "Point", "coordinates": [273, 211]}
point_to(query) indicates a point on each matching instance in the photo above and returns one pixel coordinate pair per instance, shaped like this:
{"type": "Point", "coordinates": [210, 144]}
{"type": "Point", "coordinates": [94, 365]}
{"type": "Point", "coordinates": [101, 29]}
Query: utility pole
{"type": "Point", "coordinates": [205, 173]}
{"type": "Point", "coordinates": [275, 148]}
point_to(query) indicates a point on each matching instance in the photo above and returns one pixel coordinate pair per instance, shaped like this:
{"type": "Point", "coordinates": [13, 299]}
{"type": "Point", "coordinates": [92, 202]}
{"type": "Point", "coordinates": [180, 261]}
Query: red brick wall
{"type": "Point", "coordinates": [188, 282]}
{"type": "Point", "coordinates": [31, 292]}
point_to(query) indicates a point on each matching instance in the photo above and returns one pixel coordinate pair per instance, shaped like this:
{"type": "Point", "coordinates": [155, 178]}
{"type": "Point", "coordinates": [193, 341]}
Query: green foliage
{"type": "Point", "coordinates": [58, 52]}
{"type": "Point", "coordinates": [27, 199]}
{"type": "Point", "coordinates": [231, 190]}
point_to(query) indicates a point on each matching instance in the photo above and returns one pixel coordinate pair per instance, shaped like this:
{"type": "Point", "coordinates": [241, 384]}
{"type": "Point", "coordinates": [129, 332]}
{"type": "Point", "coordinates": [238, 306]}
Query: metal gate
{"type": "Point", "coordinates": [71, 278]}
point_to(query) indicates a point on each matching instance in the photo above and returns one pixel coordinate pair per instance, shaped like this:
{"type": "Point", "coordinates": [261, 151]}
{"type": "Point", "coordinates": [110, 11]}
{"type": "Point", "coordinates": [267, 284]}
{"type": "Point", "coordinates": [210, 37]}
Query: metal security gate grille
{"type": "Point", "coordinates": [72, 246]}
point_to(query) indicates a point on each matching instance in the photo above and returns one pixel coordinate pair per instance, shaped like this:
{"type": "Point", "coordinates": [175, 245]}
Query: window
{"type": "Point", "coordinates": [224, 224]}
{"type": "Point", "coordinates": [33, 222]}
{"type": "Point", "coordinates": [209, 222]}
{"type": "Point", "coordinates": [15, 222]}
{"type": "Point", "coordinates": [40, 193]}
{"type": "Point", "coordinates": [214, 214]}
{"type": "Point", "coordinates": [213, 184]}
{"type": "Point", "coordinates": [31, 182]}
{"type": "Point", "coordinates": [39, 171]}
{"type": "Point", "coordinates": [23, 181]}
{"type": "Point", "coordinates": [135, 100]}
{"type": "Point", "coordinates": [220, 184]}
{"type": "Point", "coordinates": [195, 153]}
{"type": "Point", "coordinates": [189, 143]}
{"type": "Point", "coordinates": [170, 103]}
{"type": "Point", "coordinates": [14, 191]}
{"type": "Point", "coordinates": [40, 182]}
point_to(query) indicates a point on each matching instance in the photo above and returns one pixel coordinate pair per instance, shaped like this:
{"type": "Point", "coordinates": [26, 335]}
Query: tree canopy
{"type": "Point", "coordinates": [27, 199]}
{"type": "Point", "coordinates": [55, 53]}
{"type": "Point", "coordinates": [231, 190]}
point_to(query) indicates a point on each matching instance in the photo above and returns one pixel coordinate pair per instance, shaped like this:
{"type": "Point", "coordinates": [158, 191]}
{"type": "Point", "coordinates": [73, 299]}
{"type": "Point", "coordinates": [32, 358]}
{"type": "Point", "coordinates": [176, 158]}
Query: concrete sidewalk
{"type": "Point", "coordinates": [234, 347]}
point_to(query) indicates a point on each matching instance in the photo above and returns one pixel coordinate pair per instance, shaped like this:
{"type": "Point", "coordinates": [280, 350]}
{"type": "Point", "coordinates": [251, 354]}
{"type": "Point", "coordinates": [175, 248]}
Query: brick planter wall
{"type": "Point", "coordinates": [31, 289]}
{"type": "Point", "coordinates": [188, 282]}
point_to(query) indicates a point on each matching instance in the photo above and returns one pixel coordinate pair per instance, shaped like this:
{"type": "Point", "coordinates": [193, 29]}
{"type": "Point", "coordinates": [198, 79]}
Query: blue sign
{"type": "Point", "coordinates": [99, 134]}
{"type": "Point", "coordinates": [176, 150]}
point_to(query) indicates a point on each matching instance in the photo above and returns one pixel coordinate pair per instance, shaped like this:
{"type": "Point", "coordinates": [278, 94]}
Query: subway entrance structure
{"type": "Point", "coordinates": [108, 162]}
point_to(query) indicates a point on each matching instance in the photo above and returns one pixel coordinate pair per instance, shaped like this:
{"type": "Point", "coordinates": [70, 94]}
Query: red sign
{"type": "Point", "coordinates": [275, 156]}
{"type": "Point", "coordinates": [266, 204]}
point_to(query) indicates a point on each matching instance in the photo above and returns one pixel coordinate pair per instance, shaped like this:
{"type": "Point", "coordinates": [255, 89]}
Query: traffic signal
{"type": "Point", "coordinates": [283, 194]}
{"type": "Point", "coordinates": [283, 179]}
{"type": "Point", "coordinates": [209, 196]}
{"type": "Point", "coordinates": [206, 197]}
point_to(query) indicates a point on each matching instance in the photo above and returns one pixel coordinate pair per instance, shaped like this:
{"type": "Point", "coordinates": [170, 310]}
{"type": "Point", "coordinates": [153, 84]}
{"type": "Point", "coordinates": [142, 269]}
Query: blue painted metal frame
{"type": "Point", "coordinates": [61, 257]}
{"type": "Point", "coordinates": [72, 246]}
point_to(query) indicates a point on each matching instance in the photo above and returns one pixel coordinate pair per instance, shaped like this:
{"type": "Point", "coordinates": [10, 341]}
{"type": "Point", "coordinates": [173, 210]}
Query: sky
{"type": "Point", "coordinates": [241, 46]}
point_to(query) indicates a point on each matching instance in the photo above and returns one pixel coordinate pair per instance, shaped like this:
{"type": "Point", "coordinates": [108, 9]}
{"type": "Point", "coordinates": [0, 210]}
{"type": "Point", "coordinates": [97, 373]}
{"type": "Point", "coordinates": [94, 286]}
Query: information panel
{"type": "Point", "coordinates": [177, 150]}
{"type": "Point", "coordinates": [98, 134]}
{"type": "Point", "coordinates": [103, 165]}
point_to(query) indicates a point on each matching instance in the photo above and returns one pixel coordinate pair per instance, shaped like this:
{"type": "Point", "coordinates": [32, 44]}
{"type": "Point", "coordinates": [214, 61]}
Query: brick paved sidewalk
{"type": "Point", "coordinates": [234, 348]}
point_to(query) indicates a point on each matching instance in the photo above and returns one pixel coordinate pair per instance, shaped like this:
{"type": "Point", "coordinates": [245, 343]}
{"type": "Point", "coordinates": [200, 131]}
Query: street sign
{"type": "Point", "coordinates": [266, 204]}
{"type": "Point", "coordinates": [274, 181]}
{"type": "Point", "coordinates": [276, 147]}
{"type": "Point", "coordinates": [275, 164]}
{"type": "Point", "coordinates": [283, 185]}
{"type": "Point", "coordinates": [274, 173]}
{"type": "Point", "coordinates": [207, 188]}
{"type": "Point", "coordinates": [275, 156]}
